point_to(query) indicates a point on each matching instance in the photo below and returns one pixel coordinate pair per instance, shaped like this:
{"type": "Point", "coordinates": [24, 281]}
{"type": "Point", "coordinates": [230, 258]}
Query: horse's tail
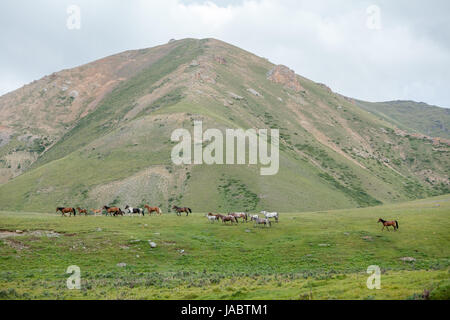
{"type": "Point", "coordinates": [396, 223]}
{"type": "Point", "coordinates": [74, 212]}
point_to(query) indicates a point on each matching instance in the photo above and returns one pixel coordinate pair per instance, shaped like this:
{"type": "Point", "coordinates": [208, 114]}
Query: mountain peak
{"type": "Point", "coordinates": [115, 116]}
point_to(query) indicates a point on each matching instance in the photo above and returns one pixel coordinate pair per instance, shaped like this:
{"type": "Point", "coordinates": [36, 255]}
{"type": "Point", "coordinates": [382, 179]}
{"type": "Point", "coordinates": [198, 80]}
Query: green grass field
{"type": "Point", "coordinates": [314, 255]}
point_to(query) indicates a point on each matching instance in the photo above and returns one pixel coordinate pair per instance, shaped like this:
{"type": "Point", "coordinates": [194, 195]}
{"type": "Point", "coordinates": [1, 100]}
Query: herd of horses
{"type": "Point", "coordinates": [110, 211]}
{"type": "Point", "coordinates": [232, 218]}
{"type": "Point", "coordinates": [117, 211]}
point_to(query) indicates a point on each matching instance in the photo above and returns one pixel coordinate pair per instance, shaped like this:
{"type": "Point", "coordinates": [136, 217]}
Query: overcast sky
{"type": "Point", "coordinates": [372, 50]}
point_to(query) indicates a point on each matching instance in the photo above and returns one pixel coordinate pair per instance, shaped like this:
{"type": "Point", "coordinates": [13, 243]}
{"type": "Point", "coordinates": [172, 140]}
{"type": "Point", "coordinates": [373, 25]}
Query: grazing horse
{"type": "Point", "coordinates": [242, 215]}
{"type": "Point", "coordinates": [80, 211]}
{"type": "Point", "coordinates": [265, 222]}
{"type": "Point", "coordinates": [66, 210]}
{"type": "Point", "coordinates": [179, 210]}
{"type": "Point", "coordinates": [270, 215]}
{"type": "Point", "coordinates": [134, 210]}
{"type": "Point", "coordinates": [153, 209]}
{"type": "Point", "coordinates": [113, 210]}
{"type": "Point", "coordinates": [212, 217]}
{"type": "Point", "coordinates": [386, 224]}
{"type": "Point", "coordinates": [228, 218]}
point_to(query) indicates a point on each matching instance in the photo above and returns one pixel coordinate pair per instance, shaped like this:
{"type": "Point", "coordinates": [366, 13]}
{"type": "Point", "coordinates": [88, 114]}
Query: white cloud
{"type": "Point", "coordinates": [326, 41]}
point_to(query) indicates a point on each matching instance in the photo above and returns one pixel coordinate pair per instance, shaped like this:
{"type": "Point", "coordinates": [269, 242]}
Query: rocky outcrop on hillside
{"type": "Point", "coordinates": [220, 60]}
{"type": "Point", "coordinates": [285, 76]}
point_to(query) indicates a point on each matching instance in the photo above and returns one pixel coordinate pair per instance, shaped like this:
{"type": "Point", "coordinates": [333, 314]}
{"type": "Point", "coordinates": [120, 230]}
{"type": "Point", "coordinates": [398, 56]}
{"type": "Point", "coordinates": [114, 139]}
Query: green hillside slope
{"type": "Point", "coordinates": [415, 116]}
{"type": "Point", "coordinates": [333, 153]}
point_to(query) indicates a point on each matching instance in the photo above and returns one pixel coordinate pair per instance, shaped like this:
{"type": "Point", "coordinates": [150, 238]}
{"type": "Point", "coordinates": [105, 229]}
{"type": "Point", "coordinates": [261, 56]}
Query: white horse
{"type": "Point", "coordinates": [253, 217]}
{"type": "Point", "coordinates": [270, 215]}
{"type": "Point", "coordinates": [212, 218]}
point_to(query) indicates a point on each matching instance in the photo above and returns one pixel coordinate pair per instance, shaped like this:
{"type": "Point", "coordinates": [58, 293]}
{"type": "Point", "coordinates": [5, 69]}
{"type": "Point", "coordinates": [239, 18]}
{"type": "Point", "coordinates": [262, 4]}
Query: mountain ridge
{"type": "Point", "coordinates": [331, 146]}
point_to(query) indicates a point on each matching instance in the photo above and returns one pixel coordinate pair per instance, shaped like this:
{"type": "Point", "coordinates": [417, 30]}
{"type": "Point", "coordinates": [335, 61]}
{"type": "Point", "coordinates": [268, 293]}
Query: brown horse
{"type": "Point", "coordinates": [179, 210]}
{"type": "Point", "coordinates": [228, 218]}
{"type": "Point", "coordinates": [242, 215]}
{"type": "Point", "coordinates": [153, 209]}
{"type": "Point", "coordinates": [113, 210]}
{"type": "Point", "coordinates": [80, 211]}
{"type": "Point", "coordinates": [96, 211]}
{"type": "Point", "coordinates": [386, 224]}
{"type": "Point", "coordinates": [66, 210]}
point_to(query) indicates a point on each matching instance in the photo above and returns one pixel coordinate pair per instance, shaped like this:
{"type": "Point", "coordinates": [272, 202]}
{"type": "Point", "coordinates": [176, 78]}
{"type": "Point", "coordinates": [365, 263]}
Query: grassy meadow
{"type": "Point", "coordinates": [312, 255]}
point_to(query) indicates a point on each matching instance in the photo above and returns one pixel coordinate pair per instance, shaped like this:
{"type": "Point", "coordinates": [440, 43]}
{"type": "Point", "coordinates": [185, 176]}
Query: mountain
{"type": "Point", "coordinates": [101, 134]}
{"type": "Point", "coordinates": [413, 116]}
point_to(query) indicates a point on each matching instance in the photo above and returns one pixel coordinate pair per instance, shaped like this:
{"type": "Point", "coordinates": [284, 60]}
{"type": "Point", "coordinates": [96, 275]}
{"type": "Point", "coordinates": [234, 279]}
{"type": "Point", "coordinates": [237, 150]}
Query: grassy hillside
{"type": "Point", "coordinates": [318, 255]}
{"type": "Point", "coordinates": [333, 153]}
{"type": "Point", "coordinates": [414, 116]}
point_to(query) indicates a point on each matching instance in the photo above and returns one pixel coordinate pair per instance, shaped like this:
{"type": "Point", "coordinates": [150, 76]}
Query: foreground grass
{"type": "Point", "coordinates": [317, 255]}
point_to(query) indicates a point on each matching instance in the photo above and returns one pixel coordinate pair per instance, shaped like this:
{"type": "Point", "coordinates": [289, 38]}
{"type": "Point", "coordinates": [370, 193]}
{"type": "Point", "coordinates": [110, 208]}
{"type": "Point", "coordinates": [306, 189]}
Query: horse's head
{"type": "Point", "coordinates": [380, 220]}
{"type": "Point", "coordinates": [126, 207]}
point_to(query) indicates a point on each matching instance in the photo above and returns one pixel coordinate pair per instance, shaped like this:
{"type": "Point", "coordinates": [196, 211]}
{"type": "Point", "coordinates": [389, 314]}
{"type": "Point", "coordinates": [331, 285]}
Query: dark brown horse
{"type": "Point", "coordinates": [113, 210]}
{"type": "Point", "coordinates": [153, 209]}
{"type": "Point", "coordinates": [80, 211]}
{"type": "Point", "coordinates": [66, 210]}
{"type": "Point", "coordinates": [386, 224]}
{"type": "Point", "coordinates": [179, 210]}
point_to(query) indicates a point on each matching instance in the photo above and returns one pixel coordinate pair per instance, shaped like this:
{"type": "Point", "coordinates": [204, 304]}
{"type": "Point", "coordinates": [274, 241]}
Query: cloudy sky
{"type": "Point", "coordinates": [373, 50]}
